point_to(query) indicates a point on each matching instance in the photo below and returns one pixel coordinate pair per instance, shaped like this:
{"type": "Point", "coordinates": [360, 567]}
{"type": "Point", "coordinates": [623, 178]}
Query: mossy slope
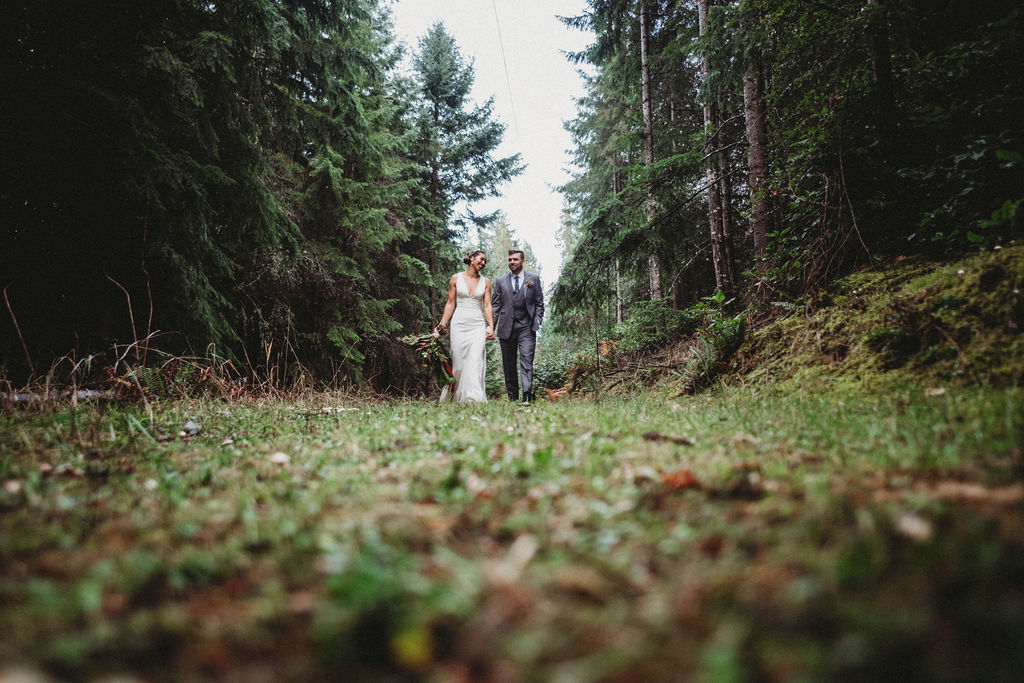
{"type": "Point", "coordinates": [907, 321]}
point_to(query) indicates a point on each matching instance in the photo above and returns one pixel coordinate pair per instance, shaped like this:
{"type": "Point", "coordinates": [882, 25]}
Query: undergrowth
{"type": "Point", "coordinates": [907, 321]}
{"type": "Point", "coordinates": [745, 532]}
{"type": "Point", "coordinates": [941, 324]}
{"type": "Point", "coordinates": [844, 502]}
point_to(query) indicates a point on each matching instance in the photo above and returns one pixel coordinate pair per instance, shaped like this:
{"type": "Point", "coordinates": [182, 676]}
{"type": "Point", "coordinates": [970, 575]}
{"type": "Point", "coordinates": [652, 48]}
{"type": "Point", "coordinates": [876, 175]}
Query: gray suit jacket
{"type": "Point", "coordinates": [501, 303]}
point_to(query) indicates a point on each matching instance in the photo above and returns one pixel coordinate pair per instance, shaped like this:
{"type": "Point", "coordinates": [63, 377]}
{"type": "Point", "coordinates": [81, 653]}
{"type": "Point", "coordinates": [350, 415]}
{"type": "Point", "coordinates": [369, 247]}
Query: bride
{"type": "Point", "coordinates": [472, 324]}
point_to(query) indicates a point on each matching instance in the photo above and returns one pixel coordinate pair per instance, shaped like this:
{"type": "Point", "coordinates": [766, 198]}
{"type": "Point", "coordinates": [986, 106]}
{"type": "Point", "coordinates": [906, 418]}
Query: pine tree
{"type": "Point", "coordinates": [717, 195]}
{"type": "Point", "coordinates": [234, 170]}
{"type": "Point", "coordinates": [632, 151]}
{"type": "Point", "coordinates": [456, 141]}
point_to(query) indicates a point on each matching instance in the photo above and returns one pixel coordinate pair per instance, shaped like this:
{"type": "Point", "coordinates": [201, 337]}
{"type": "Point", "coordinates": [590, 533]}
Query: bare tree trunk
{"type": "Point", "coordinates": [673, 292]}
{"type": "Point", "coordinates": [715, 210]}
{"type": "Point", "coordinates": [616, 189]}
{"type": "Point", "coordinates": [645, 79]}
{"type": "Point", "coordinates": [618, 291]}
{"type": "Point", "coordinates": [435, 200]}
{"type": "Point", "coordinates": [725, 194]}
{"type": "Point", "coordinates": [616, 186]}
{"type": "Point", "coordinates": [753, 110]}
{"type": "Point", "coordinates": [720, 251]}
{"type": "Point", "coordinates": [672, 116]}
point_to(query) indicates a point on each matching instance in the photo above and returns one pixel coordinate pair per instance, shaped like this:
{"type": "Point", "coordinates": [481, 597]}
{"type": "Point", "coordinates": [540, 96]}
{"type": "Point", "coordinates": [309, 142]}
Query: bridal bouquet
{"type": "Point", "coordinates": [435, 355]}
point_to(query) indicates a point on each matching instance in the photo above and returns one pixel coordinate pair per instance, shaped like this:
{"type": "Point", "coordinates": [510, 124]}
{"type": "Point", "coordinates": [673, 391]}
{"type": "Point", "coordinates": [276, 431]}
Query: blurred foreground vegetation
{"type": "Point", "coordinates": [746, 533]}
{"type": "Point", "coordinates": [836, 505]}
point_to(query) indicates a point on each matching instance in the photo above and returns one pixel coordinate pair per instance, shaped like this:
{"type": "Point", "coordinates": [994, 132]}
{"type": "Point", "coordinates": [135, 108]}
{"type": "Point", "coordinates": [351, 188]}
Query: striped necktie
{"type": "Point", "coordinates": [515, 285]}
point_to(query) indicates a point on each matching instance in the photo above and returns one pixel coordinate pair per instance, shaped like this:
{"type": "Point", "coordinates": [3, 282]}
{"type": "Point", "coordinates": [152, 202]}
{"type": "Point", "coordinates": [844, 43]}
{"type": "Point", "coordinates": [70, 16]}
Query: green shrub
{"type": "Point", "coordinates": [553, 368]}
{"type": "Point", "coordinates": [652, 324]}
{"type": "Point", "coordinates": [719, 340]}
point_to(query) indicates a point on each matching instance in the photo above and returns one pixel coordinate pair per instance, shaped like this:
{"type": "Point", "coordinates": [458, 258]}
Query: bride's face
{"type": "Point", "coordinates": [479, 261]}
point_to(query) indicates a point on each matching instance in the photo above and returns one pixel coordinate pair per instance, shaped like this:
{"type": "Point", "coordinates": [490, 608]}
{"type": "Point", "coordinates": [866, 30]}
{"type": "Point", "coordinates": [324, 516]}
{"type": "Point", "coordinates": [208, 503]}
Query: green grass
{"type": "Point", "coordinates": [832, 535]}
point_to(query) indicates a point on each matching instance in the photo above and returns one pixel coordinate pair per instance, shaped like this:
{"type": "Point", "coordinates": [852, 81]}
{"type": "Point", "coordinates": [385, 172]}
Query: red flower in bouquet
{"type": "Point", "coordinates": [434, 354]}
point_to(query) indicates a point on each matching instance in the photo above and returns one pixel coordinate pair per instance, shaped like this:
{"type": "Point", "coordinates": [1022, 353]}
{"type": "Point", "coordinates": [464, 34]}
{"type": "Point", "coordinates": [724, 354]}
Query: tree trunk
{"type": "Point", "coordinates": [715, 209]}
{"type": "Point", "coordinates": [645, 81]}
{"type": "Point", "coordinates": [672, 117]}
{"type": "Point", "coordinates": [616, 189]}
{"type": "Point", "coordinates": [618, 291]}
{"type": "Point", "coordinates": [725, 195]}
{"type": "Point", "coordinates": [435, 200]}
{"type": "Point", "coordinates": [753, 110]}
{"type": "Point", "coordinates": [720, 251]}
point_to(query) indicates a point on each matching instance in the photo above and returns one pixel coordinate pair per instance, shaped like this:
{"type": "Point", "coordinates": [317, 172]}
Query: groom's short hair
{"type": "Point", "coordinates": [517, 251]}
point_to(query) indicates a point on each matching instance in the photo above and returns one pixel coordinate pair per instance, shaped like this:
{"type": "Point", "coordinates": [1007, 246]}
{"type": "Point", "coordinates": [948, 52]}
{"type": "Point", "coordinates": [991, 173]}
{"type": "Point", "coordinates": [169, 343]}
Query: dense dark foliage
{"type": "Point", "coordinates": [247, 179]}
{"type": "Point", "coordinates": [890, 126]}
{"type": "Point", "coordinates": [260, 182]}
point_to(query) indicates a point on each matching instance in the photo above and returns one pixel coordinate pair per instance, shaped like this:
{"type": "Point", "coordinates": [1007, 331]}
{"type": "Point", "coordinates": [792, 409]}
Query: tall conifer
{"type": "Point", "coordinates": [457, 140]}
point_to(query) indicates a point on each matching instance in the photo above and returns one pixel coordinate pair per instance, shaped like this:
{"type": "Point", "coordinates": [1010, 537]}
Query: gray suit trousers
{"type": "Point", "coordinates": [522, 342]}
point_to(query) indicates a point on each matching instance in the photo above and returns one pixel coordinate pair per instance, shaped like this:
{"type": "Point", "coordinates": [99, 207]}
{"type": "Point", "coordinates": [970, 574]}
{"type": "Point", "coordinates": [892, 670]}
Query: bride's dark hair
{"type": "Point", "coordinates": [469, 256]}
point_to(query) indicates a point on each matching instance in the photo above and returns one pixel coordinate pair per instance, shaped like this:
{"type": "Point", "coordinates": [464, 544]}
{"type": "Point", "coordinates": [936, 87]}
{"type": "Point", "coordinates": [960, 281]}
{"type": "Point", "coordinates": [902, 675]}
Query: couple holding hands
{"type": "Point", "coordinates": [512, 312]}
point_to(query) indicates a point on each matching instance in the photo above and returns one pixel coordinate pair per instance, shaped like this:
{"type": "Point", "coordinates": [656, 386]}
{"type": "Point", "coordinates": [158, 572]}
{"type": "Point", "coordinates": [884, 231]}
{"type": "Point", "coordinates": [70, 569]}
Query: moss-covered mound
{"type": "Point", "coordinates": [906, 321]}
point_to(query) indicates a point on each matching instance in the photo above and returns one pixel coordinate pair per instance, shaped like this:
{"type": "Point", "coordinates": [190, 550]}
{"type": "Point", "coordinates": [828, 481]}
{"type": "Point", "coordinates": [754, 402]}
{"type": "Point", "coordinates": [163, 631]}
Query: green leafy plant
{"type": "Point", "coordinates": [553, 368]}
{"type": "Point", "coordinates": [652, 324]}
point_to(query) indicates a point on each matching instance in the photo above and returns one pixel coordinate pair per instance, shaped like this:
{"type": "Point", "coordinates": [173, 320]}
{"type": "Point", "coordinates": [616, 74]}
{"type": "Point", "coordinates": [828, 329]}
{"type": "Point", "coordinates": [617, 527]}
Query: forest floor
{"type": "Point", "coordinates": [812, 516]}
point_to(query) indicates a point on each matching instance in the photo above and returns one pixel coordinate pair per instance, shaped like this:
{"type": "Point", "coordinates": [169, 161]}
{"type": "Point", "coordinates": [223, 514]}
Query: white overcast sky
{"type": "Point", "coordinates": [543, 86]}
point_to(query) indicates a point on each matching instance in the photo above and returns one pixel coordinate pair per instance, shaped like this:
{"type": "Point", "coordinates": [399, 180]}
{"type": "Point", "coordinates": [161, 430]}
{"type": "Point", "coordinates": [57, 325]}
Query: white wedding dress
{"type": "Point", "coordinates": [469, 338]}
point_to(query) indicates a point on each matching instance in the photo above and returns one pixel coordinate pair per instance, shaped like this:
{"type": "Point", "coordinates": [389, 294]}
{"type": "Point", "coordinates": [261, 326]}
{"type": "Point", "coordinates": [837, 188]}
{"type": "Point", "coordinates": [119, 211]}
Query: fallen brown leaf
{"type": "Point", "coordinates": [681, 479]}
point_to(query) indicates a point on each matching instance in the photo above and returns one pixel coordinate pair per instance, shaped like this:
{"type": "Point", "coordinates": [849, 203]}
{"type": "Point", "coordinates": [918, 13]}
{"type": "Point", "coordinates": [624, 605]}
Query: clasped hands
{"type": "Point", "coordinates": [442, 329]}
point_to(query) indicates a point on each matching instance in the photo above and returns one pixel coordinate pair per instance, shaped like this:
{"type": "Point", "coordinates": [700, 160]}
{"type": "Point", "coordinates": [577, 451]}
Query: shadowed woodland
{"type": "Point", "coordinates": [261, 183]}
{"type": "Point", "coordinates": [781, 437]}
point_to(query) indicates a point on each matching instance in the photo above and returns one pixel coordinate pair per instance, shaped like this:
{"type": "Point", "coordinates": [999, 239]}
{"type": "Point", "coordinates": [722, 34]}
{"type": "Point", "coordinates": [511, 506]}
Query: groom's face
{"type": "Point", "coordinates": [515, 262]}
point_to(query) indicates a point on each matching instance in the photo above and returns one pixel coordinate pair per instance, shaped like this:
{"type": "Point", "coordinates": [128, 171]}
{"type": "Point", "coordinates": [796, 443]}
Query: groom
{"type": "Point", "coordinates": [518, 306]}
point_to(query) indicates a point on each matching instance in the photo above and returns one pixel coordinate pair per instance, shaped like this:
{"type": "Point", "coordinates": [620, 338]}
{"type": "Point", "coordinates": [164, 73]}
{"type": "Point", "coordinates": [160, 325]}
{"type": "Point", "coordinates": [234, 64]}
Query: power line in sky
{"type": "Point", "coordinates": [508, 81]}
